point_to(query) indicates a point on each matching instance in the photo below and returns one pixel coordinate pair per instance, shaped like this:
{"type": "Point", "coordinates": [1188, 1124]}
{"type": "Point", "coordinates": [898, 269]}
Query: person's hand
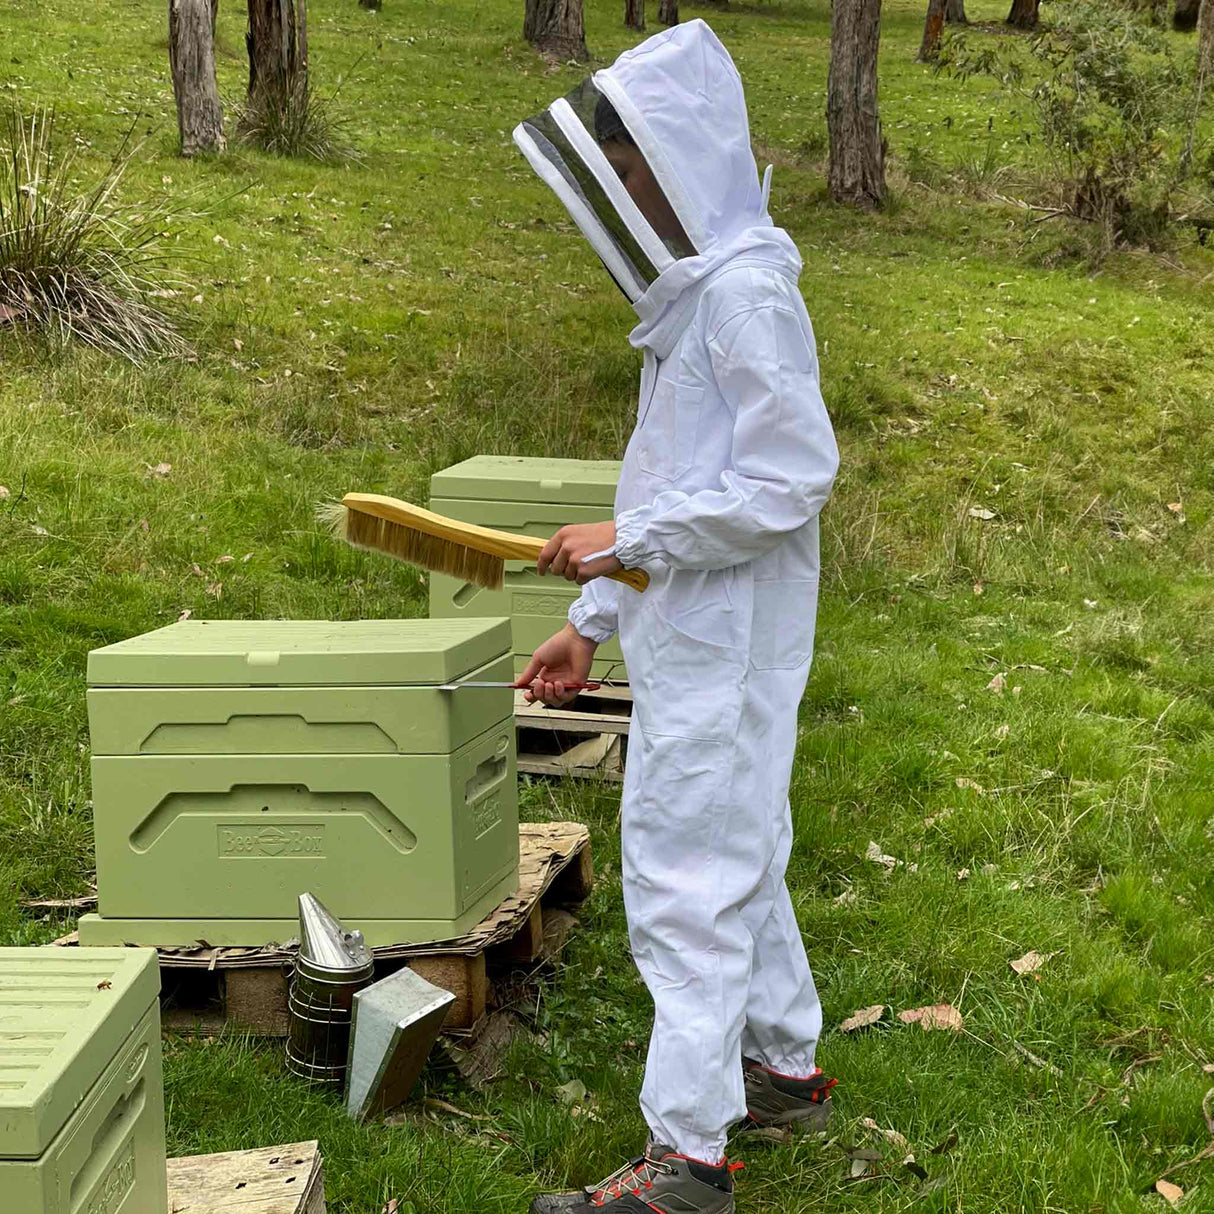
{"type": "Point", "coordinates": [565, 554]}
{"type": "Point", "coordinates": [561, 660]}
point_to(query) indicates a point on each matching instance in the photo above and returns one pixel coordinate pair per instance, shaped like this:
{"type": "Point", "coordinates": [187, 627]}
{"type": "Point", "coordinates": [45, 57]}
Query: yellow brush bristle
{"type": "Point", "coordinates": [374, 534]}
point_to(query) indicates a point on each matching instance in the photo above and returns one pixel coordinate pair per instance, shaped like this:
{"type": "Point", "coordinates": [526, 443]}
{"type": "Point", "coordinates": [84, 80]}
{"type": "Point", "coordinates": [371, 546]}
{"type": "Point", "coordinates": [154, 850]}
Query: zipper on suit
{"type": "Point", "coordinates": [649, 370]}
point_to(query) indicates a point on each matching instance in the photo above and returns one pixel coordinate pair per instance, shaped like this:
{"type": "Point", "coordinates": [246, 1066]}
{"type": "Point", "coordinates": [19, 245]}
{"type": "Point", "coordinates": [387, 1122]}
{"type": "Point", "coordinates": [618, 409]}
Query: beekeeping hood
{"type": "Point", "coordinates": [680, 98]}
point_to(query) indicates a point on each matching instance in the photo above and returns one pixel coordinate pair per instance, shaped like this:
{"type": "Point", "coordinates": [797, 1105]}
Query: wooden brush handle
{"type": "Point", "coordinates": [483, 539]}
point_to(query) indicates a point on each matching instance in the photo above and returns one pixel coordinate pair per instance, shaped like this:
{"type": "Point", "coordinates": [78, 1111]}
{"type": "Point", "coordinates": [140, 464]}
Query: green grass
{"type": "Point", "coordinates": [362, 326]}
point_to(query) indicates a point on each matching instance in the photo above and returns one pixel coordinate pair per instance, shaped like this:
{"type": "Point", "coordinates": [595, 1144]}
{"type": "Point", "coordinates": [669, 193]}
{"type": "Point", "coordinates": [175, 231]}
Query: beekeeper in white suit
{"type": "Point", "coordinates": [731, 460]}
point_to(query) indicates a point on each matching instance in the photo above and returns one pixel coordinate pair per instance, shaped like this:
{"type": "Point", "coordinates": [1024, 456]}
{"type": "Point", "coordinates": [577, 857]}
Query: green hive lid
{"type": "Point", "coordinates": [508, 478]}
{"type": "Point", "coordinates": [241, 653]}
{"type": "Point", "coordinates": [64, 1014]}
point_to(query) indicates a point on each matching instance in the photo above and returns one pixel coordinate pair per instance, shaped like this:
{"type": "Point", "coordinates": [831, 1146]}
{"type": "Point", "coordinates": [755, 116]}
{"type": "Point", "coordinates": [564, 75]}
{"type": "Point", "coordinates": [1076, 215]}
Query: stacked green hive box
{"type": "Point", "coordinates": [237, 765]}
{"type": "Point", "coordinates": [529, 497]}
{"type": "Point", "coordinates": [81, 1094]}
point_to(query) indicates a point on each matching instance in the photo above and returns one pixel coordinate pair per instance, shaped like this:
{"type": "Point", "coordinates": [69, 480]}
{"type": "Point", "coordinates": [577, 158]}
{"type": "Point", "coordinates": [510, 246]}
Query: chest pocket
{"type": "Point", "coordinates": [667, 447]}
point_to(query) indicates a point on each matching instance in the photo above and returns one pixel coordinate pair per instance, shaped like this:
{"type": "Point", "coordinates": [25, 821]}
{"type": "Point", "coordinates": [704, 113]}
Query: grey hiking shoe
{"type": "Point", "coordinates": [658, 1180]}
{"type": "Point", "coordinates": [802, 1105]}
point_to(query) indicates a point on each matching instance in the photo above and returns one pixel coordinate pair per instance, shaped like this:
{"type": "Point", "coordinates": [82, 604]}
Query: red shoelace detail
{"type": "Point", "coordinates": [631, 1179]}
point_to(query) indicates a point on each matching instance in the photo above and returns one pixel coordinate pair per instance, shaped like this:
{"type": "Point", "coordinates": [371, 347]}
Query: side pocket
{"type": "Point", "coordinates": [782, 631]}
{"type": "Point", "coordinates": [667, 447]}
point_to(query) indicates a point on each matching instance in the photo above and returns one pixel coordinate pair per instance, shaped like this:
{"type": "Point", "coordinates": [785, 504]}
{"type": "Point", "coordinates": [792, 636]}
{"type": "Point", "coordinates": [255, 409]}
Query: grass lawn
{"type": "Point", "coordinates": [1026, 491]}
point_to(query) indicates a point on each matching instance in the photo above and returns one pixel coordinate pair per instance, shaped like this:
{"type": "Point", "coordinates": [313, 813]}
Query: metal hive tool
{"type": "Point", "coordinates": [332, 966]}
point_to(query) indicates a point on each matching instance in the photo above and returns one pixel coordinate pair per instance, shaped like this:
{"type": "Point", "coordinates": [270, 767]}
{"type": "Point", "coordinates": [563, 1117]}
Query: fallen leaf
{"type": "Point", "coordinates": [997, 684]}
{"type": "Point", "coordinates": [1090, 604]}
{"type": "Point", "coordinates": [947, 1145]}
{"type": "Point", "coordinates": [982, 513]}
{"type": "Point", "coordinates": [963, 874]}
{"type": "Point", "coordinates": [215, 589]}
{"type": "Point", "coordinates": [160, 471]}
{"type": "Point", "coordinates": [863, 1018]}
{"type": "Point", "coordinates": [875, 854]}
{"type": "Point", "coordinates": [145, 526]}
{"type": "Point", "coordinates": [1002, 732]}
{"type": "Point", "coordinates": [1030, 963]}
{"type": "Point", "coordinates": [1208, 1068]}
{"type": "Point", "coordinates": [391, 1207]}
{"type": "Point", "coordinates": [573, 1092]}
{"type": "Point", "coordinates": [937, 1016]}
{"type": "Point", "coordinates": [940, 817]}
{"type": "Point", "coordinates": [238, 344]}
{"type": "Point", "coordinates": [223, 560]}
{"type": "Point", "coordinates": [966, 782]}
{"type": "Point", "coordinates": [4, 491]}
{"type": "Point", "coordinates": [1017, 690]}
{"type": "Point", "coordinates": [848, 895]}
{"type": "Point", "coordinates": [1171, 1193]}
{"type": "Point", "coordinates": [248, 556]}
{"type": "Point", "coordinates": [38, 530]}
{"type": "Point", "coordinates": [185, 615]}
{"type": "Point", "coordinates": [1177, 508]}
{"type": "Point", "coordinates": [197, 299]}
{"type": "Point", "coordinates": [1206, 1110]}
{"type": "Point", "coordinates": [890, 1136]}
{"type": "Point", "coordinates": [864, 1161]}
{"type": "Point", "coordinates": [989, 870]}
{"type": "Point", "coordinates": [978, 587]}
{"type": "Point", "coordinates": [197, 572]}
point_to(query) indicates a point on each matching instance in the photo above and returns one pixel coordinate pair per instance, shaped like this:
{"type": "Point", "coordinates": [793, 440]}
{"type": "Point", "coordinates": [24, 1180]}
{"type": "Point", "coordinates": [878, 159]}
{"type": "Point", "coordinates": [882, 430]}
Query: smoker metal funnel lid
{"type": "Point", "coordinates": [324, 944]}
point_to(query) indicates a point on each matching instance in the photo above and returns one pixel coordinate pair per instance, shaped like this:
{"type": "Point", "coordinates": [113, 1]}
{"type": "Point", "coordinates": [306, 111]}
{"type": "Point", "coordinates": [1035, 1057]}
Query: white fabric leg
{"type": "Point", "coordinates": [783, 1013]}
{"type": "Point", "coordinates": [688, 869]}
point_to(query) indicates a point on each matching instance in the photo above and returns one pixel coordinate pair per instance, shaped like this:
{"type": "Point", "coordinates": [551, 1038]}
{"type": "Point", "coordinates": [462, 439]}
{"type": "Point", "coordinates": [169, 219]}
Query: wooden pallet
{"type": "Point", "coordinates": [587, 740]}
{"type": "Point", "coordinates": [205, 991]}
{"type": "Point", "coordinates": [273, 1180]}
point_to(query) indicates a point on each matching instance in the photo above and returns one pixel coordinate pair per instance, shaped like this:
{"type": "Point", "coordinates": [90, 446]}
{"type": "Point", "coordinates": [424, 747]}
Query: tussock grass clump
{"type": "Point", "coordinates": [79, 266]}
{"type": "Point", "coordinates": [299, 123]}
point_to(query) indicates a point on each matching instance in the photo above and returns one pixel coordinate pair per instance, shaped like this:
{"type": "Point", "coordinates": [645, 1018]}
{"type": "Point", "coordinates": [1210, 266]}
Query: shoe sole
{"type": "Point", "coordinates": [813, 1120]}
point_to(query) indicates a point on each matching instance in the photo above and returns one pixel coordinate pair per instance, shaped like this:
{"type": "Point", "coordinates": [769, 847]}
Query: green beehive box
{"type": "Point", "coordinates": [239, 764]}
{"type": "Point", "coordinates": [81, 1093]}
{"type": "Point", "coordinates": [531, 497]}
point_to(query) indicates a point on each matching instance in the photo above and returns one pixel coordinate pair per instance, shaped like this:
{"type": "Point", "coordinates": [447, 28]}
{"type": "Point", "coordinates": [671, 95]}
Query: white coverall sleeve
{"type": "Point", "coordinates": [595, 614]}
{"type": "Point", "coordinates": [784, 456]}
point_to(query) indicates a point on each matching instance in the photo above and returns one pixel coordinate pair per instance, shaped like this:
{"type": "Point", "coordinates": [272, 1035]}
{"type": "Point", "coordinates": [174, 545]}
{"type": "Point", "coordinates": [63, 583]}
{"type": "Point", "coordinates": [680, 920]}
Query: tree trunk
{"type": "Point", "coordinates": [1024, 14]}
{"type": "Point", "coordinates": [933, 27]}
{"type": "Point", "coordinates": [1186, 15]}
{"type": "Point", "coordinates": [954, 13]}
{"type": "Point", "coordinates": [192, 63]}
{"type": "Point", "coordinates": [277, 41]}
{"type": "Point", "coordinates": [556, 27]}
{"type": "Point", "coordinates": [857, 149]}
{"type": "Point", "coordinates": [668, 12]}
{"type": "Point", "coordinates": [634, 14]}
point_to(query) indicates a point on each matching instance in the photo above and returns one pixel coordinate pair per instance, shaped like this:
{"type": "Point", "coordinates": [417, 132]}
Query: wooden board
{"type": "Point", "coordinates": [272, 1180]}
{"type": "Point", "coordinates": [587, 740]}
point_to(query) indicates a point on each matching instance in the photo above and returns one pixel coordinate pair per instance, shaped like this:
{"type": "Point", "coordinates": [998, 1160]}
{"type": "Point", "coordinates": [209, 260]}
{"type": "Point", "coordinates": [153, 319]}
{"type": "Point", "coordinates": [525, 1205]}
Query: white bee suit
{"type": "Point", "coordinates": [731, 461]}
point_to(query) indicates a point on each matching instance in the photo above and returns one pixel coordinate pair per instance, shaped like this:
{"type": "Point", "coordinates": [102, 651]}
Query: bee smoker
{"type": "Point", "coordinates": [331, 966]}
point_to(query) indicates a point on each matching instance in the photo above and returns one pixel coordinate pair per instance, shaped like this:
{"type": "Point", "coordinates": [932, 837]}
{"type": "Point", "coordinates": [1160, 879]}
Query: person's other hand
{"type": "Point", "coordinates": [565, 554]}
{"type": "Point", "coordinates": [562, 660]}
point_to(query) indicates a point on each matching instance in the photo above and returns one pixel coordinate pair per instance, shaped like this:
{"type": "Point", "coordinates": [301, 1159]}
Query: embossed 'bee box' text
{"type": "Point", "coordinates": [237, 764]}
{"type": "Point", "coordinates": [530, 497]}
{"type": "Point", "coordinates": [81, 1094]}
